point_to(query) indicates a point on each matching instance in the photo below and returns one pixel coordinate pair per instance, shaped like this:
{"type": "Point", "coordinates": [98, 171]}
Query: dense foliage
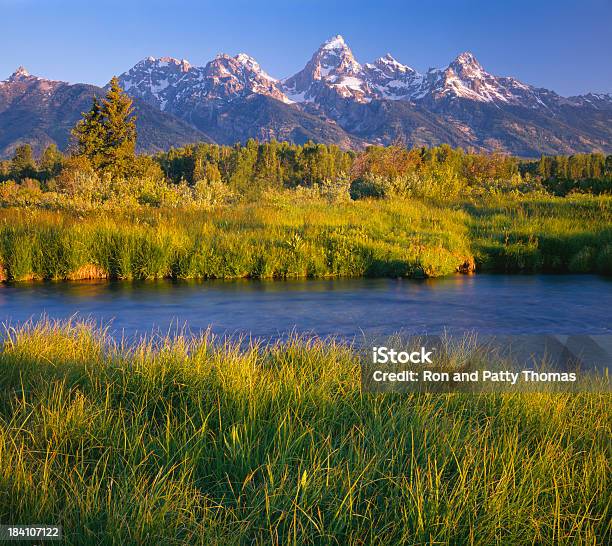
{"type": "Point", "coordinates": [246, 171]}
{"type": "Point", "coordinates": [283, 210]}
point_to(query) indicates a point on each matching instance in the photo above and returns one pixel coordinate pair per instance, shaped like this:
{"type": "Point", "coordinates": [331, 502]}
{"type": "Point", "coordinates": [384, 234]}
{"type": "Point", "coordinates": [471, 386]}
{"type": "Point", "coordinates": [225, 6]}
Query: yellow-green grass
{"type": "Point", "coordinates": [265, 240]}
{"type": "Point", "coordinates": [187, 441]}
{"type": "Point", "coordinates": [289, 237]}
{"type": "Point", "coordinates": [571, 234]}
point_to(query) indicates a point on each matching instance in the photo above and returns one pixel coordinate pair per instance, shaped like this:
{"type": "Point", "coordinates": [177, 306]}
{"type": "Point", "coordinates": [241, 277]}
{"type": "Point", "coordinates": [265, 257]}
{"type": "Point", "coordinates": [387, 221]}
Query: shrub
{"type": "Point", "coordinates": [211, 192]}
{"type": "Point", "coordinates": [370, 186]}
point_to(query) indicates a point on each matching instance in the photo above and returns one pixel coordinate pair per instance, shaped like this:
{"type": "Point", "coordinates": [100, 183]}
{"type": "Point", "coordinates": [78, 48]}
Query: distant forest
{"type": "Point", "coordinates": [254, 166]}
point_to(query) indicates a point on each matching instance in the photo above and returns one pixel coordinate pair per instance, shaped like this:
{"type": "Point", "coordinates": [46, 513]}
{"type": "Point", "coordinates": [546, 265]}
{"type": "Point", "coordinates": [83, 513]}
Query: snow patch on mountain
{"type": "Point", "coordinates": [335, 42]}
{"type": "Point", "coordinates": [333, 67]}
{"type": "Point", "coordinates": [333, 73]}
{"type": "Point", "coordinates": [171, 84]}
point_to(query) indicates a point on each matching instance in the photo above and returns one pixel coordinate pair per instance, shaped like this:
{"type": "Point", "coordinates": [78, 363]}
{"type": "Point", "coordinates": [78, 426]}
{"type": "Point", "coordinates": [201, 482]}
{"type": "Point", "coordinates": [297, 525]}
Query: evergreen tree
{"type": "Point", "coordinates": [89, 135]}
{"type": "Point", "coordinates": [106, 135]}
{"type": "Point", "coordinates": [119, 148]}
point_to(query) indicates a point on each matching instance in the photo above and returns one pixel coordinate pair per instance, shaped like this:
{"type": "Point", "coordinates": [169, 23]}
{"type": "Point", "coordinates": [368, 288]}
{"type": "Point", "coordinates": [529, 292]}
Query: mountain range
{"type": "Point", "coordinates": [333, 99]}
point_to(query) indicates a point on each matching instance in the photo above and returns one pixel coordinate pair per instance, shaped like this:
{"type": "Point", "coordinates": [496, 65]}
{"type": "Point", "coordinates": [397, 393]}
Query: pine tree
{"type": "Point", "coordinates": [119, 131]}
{"type": "Point", "coordinates": [106, 135]}
{"type": "Point", "coordinates": [89, 135]}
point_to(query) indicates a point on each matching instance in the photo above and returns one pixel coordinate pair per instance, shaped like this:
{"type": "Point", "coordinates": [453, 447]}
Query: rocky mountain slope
{"type": "Point", "coordinates": [40, 112]}
{"type": "Point", "coordinates": [380, 102]}
{"type": "Point", "coordinates": [333, 99]}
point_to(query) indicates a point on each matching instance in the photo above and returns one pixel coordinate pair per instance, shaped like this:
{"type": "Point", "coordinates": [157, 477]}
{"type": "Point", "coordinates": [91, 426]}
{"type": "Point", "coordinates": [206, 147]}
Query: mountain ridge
{"type": "Point", "coordinates": [335, 99]}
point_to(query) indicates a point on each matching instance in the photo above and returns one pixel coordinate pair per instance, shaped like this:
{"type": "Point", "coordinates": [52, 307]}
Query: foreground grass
{"type": "Point", "coordinates": [288, 237]}
{"type": "Point", "coordinates": [190, 442]}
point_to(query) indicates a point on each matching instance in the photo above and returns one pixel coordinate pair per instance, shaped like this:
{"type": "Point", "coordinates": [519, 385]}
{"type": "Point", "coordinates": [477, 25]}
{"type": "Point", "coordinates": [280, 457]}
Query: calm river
{"type": "Point", "coordinates": [486, 304]}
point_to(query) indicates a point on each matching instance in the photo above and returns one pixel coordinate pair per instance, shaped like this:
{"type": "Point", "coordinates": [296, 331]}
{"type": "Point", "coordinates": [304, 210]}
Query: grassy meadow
{"type": "Point", "coordinates": [188, 441]}
{"type": "Point", "coordinates": [285, 235]}
{"type": "Point", "coordinates": [200, 441]}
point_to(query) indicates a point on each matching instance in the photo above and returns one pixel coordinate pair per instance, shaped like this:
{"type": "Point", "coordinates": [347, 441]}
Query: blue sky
{"type": "Point", "coordinates": [563, 45]}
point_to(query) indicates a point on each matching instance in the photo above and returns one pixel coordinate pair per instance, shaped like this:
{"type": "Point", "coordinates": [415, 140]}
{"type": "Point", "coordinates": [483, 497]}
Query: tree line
{"type": "Point", "coordinates": [104, 143]}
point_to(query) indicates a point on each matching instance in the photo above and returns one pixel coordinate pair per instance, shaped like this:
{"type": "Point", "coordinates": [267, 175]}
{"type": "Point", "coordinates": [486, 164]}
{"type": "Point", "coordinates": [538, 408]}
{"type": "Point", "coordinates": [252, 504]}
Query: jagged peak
{"type": "Point", "coordinates": [335, 42]}
{"type": "Point", "coordinates": [250, 63]}
{"type": "Point", "coordinates": [601, 96]}
{"type": "Point", "coordinates": [20, 74]}
{"type": "Point", "coordinates": [165, 61]}
{"type": "Point", "coordinates": [246, 59]}
{"type": "Point", "coordinates": [466, 59]}
{"type": "Point", "coordinates": [334, 55]}
{"type": "Point", "coordinates": [21, 71]}
{"type": "Point", "coordinates": [466, 56]}
{"type": "Point", "coordinates": [390, 62]}
{"type": "Point", "coordinates": [234, 62]}
{"type": "Point", "coordinates": [388, 59]}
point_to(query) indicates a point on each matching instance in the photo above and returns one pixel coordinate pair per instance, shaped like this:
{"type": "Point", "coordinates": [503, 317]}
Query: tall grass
{"type": "Point", "coordinates": [186, 441]}
{"type": "Point", "coordinates": [571, 234]}
{"type": "Point", "coordinates": [289, 237]}
{"type": "Point", "coordinates": [265, 240]}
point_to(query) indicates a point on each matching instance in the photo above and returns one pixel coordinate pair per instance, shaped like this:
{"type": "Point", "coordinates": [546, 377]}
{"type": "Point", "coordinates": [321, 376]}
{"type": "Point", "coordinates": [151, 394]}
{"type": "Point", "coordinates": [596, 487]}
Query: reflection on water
{"type": "Point", "coordinates": [488, 304]}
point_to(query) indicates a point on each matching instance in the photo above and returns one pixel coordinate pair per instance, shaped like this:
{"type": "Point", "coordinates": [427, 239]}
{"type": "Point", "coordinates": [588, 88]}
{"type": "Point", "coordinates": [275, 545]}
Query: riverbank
{"type": "Point", "coordinates": [186, 441]}
{"type": "Point", "coordinates": [288, 237]}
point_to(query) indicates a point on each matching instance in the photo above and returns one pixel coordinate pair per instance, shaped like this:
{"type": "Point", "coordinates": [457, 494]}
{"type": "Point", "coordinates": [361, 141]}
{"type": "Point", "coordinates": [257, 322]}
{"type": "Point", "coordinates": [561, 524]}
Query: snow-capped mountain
{"type": "Point", "coordinates": [20, 75]}
{"type": "Point", "coordinates": [226, 77]}
{"type": "Point", "coordinates": [332, 68]}
{"type": "Point", "coordinates": [41, 112]}
{"type": "Point", "coordinates": [155, 80]}
{"type": "Point", "coordinates": [593, 100]}
{"type": "Point", "coordinates": [333, 99]}
{"type": "Point", "coordinates": [171, 84]}
{"type": "Point", "coordinates": [230, 98]}
{"type": "Point", "coordinates": [333, 73]}
{"type": "Point", "coordinates": [22, 80]}
{"type": "Point", "coordinates": [390, 79]}
{"type": "Point", "coordinates": [465, 78]}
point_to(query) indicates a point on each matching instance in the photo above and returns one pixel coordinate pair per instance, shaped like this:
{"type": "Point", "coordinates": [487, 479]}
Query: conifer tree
{"type": "Point", "coordinates": [89, 135]}
{"type": "Point", "coordinates": [119, 130]}
{"type": "Point", "coordinates": [22, 164]}
{"type": "Point", "coordinates": [106, 135]}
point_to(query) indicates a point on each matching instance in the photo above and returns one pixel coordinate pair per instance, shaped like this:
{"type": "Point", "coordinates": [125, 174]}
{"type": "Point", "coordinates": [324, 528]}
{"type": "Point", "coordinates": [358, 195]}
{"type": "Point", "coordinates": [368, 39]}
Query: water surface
{"type": "Point", "coordinates": [486, 304]}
